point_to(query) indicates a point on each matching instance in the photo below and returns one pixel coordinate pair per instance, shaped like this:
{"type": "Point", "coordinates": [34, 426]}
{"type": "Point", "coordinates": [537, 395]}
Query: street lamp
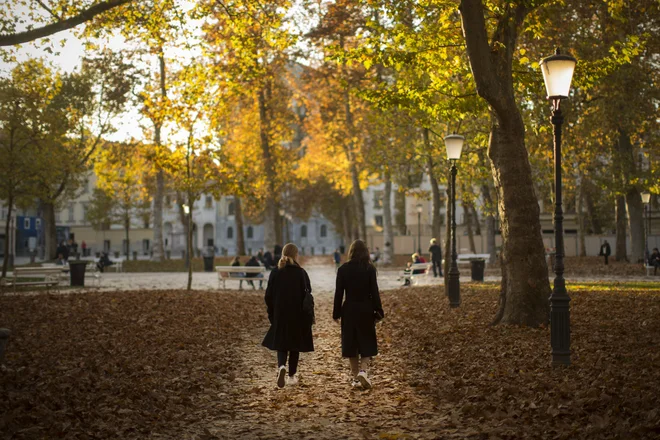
{"type": "Point", "coordinates": [646, 198]}
{"type": "Point", "coordinates": [557, 74]}
{"type": "Point", "coordinates": [419, 228]}
{"type": "Point", "coordinates": [454, 145]}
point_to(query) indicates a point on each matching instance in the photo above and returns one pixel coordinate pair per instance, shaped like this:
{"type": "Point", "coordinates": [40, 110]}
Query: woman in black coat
{"type": "Point", "coordinates": [359, 312]}
{"type": "Point", "coordinates": [290, 329]}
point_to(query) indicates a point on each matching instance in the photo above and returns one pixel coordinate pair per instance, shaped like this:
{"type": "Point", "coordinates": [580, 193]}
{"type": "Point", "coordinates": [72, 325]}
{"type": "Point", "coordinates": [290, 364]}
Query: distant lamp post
{"type": "Point", "coordinates": [454, 145]}
{"type": "Point", "coordinates": [419, 228]}
{"type": "Point", "coordinates": [557, 75]}
{"type": "Point", "coordinates": [646, 199]}
{"type": "Point", "coordinates": [289, 219]}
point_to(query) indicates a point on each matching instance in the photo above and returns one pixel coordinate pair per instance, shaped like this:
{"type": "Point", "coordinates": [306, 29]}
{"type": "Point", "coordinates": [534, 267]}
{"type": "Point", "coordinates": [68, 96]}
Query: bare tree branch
{"type": "Point", "coordinates": [53, 28]}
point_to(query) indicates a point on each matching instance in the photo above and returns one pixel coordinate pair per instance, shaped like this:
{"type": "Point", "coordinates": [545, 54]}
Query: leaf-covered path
{"type": "Point", "coordinates": [324, 405]}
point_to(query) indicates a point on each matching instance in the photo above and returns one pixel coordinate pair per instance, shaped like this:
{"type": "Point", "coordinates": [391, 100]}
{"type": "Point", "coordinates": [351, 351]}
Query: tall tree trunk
{"type": "Point", "coordinates": [620, 253]}
{"type": "Point", "coordinates": [527, 285]}
{"type": "Point", "coordinates": [436, 200]}
{"type": "Point", "coordinates": [633, 196]}
{"type": "Point", "coordinates": [189, 239]}
{"type": "Point", "coordinates": [388, 232]}
{"type": "Point", "coordinates": [447, 253]}
{"type": "Point", "coordinates": [358, 199]}
{"type": "Point", "coordinates": [157, 246]}
{"type": "Point", "coordinates": [475, 219]}
{"type": "Point", "coordinates": [400, 212]}
{"type": "Point", "coordinates": [5, 260]}
{"type": "Point", "coordinates": [468, 224]}
{"type": "Point", "coordinates": [238, 217]}
{"type": "Point", "coordinates": [347, 226]}
{"type": "Point", "coordinates": [582, 245]}
{"type": "Point", "coordinates": [270, 215]}
{"type": "Point", "coordinates": [127, 228]}
{"type": "Point", "coordinates": [491, 247]}
{"type": "Point", "coordinates": [594, 221]}
{"type": "Point", "coordinates": [50, 231]}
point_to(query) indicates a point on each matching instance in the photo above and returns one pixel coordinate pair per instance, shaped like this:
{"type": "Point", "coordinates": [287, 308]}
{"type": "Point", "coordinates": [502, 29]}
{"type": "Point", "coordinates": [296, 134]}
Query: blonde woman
{"type": "Point", "coordinates": [290, 329]}
{"type": "Point", "coordinates": [356, 280]}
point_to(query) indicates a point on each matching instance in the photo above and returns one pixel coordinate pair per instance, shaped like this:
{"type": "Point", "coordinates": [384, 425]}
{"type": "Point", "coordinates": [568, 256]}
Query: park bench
{"type": "Point", "coordinates": [649, 269]}
{"type": "Point", "coordinates": [51, 275]}
{"type": "Point", "coordinates": [238, 273]}
{"type": "Point", "coordinates": [92, 270]}
{"type": "Point", "coordinates": [426, 267]}
{"type": "Point", "coordinates": [466, 258]}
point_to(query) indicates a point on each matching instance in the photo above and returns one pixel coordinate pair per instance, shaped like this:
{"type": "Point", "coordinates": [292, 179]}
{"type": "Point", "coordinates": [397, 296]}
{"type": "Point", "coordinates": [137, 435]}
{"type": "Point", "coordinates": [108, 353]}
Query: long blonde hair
{"type": "Point", "coordinates": [289, 255]}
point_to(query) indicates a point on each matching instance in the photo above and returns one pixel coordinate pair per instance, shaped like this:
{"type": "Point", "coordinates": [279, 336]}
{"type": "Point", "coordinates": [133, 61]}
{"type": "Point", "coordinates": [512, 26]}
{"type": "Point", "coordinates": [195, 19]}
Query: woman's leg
{"type": "Point", "coordinates": [294, 356]}
{"type": "Point", "coordinates": [364, 363]}
{"type": "Point", "coordinates": [355, 367]}
{"type": "Point", "coordinates": [281, 358]}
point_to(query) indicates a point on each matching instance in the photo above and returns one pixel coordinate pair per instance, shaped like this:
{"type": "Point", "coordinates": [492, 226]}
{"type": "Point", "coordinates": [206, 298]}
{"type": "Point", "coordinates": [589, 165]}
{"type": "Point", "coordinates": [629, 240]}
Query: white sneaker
{"type": "Point", "coordinates": [293, 380]}
{"type": "Point", "coordinates": [364, 380]}
{"type": "Point", "coordinates": [355, 383]}
{"type": "Point", "coordinates": [281, 376]}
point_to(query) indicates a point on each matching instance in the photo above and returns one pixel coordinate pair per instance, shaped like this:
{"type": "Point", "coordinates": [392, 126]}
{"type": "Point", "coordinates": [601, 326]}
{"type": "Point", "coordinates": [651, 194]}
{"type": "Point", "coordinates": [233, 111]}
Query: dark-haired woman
{"type": "Point", "coordinates": [359, 311]}
{"type": "Point", "coordinates": [290, 329]}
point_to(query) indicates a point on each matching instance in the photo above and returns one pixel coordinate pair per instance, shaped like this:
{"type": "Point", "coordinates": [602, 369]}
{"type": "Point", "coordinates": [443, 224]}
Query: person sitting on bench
{"type": "Point", "coordinates": [254, 263]}
{"type": "Point", "coordinates": [104, 262]}
{"type": "Point", "coordinates": [654, 260]}
{"type": "Point", "coordinates": [237, 262]}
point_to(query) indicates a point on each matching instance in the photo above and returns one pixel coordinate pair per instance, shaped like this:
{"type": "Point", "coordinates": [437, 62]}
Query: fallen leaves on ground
{"type": "Point", "coordinates": [189, 365]}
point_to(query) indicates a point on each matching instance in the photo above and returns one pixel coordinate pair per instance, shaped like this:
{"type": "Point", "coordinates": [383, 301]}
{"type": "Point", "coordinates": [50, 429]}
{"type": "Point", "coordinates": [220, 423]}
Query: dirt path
{"type": "Point", "coordinates": [324, 405]}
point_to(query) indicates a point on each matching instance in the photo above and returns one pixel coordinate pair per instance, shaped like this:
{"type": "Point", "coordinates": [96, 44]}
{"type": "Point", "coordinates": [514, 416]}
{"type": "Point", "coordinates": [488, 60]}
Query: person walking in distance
{"type": "Point", "coordinates": [336, 257]}
{"type": "Point", "coordinates": [357, 304]}
{"type": "Point", "coordinates": [605, 251]}
{"type": "Point", "coordinates": [287, 299]}
{"type": "Point", "coordinates": [436, 257]}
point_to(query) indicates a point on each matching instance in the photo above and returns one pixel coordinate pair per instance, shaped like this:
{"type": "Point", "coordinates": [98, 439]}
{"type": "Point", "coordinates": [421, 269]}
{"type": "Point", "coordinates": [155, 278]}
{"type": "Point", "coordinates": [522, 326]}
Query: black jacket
{"type": "Point", "coordinates": [290, 329]}
{"type": "Point", "coordinates": [436, 252]}
{"type": "Point", "coordinates": [357, 282]}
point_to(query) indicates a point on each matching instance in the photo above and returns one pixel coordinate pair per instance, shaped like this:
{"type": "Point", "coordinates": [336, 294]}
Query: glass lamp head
{"type": "Point", "coordinates": [186, 209]}
{"type": "Point", "coordinates": [454, 145]}
{"type": "Point", "coordinates": [646, 197]}
{"type": "Point", "coordinates": [557, 74]}
{"type": "Point", "coordinates": [419, 208]}
{"type": "Point", "coordinates": [281, 212]}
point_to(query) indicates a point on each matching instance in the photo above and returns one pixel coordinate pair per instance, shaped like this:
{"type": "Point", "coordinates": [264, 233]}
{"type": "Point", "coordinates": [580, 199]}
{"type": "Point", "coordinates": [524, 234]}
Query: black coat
{"type": "Point", "coordinates": [289, 327]}
{"type": "Point", "coordinates": [436, 252]}
{"type": "Point", "coordinates": [358, 331]}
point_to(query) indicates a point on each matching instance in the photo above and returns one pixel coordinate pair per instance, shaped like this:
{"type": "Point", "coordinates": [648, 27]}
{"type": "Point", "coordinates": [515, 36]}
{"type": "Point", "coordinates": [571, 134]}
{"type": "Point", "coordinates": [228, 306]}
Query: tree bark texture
{"type": "Point", "coordinates": [436, 200]}
{"type": "Point", "coordinates": [388, 232]}
{"type": "Point", "coordinates": [270, 215]}
{"type": "Point", "coordinates": [50, 231]}
{"type": "Point", "coordinates": [579, 212]}
{"type": "Point", "coordinates": [468, 224]}
{"type": "Point", "coordinates": [400, 212]}
{"type": "Point", "coordinates": [358, 199]}
{"type": "Point", "coordinates": [620, 252]}
{"type": "Point", "coordinates": [238, 217]}
{"type": "Point", "coordinates": [633, 197]}
{"type": "Point", "coordinates": [5, 259]}
{"type": "Point", "coordinates": [527, 285]}
{"type": "Point", "coordinates": [157, 247]}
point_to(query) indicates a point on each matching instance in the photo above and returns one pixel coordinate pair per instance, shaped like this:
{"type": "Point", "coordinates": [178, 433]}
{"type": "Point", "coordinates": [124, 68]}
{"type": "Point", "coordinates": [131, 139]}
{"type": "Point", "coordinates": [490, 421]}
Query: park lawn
{"type": "Point", "coordinates": [186, 365]}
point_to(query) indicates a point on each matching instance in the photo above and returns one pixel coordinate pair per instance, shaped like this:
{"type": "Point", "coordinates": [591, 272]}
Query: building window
{"type": "Point", "coordinates": [85, 209]}
{"type": "Point", "coordinates": [37, 223]}
{"type": "Point", "coordinates": [26, 223]}
{"type": "Point", "coordinates": [71, 219]}
{"type": "Point", "coordinates": [324, 231]}
{"type": "Point", "coordinates": [378, 219]}
{"type": "Point", "coordinates": [250, 232]}
{"type": "Point", "coordinates": [378, 199]}
{"type": "Point", "coordinates": [303, 231]}
{"type": "Point", "coordinates": [208, 202]}
{"type": "Point", "coordinates": [168, 202]}
{"type": "Point", "coordinates": [230, 233]}
{"type": "Point", "coordinates": [231, 210]}
{"type": "Point", "coordinates": [85, 186]}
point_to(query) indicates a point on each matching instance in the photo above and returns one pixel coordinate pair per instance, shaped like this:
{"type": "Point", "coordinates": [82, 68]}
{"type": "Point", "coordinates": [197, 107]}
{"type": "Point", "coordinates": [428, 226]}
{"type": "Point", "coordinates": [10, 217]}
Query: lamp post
{"type": "Point", "coordinates": [289, 218]}
{"type": "Point", "coordinates": [454, 145]}
{"type": "Point", "coordinates": [419, 228]}
{"type": "Point", "coordinates": [557, 74]}
{"type": "Point", "coordinates": [646, 198]}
